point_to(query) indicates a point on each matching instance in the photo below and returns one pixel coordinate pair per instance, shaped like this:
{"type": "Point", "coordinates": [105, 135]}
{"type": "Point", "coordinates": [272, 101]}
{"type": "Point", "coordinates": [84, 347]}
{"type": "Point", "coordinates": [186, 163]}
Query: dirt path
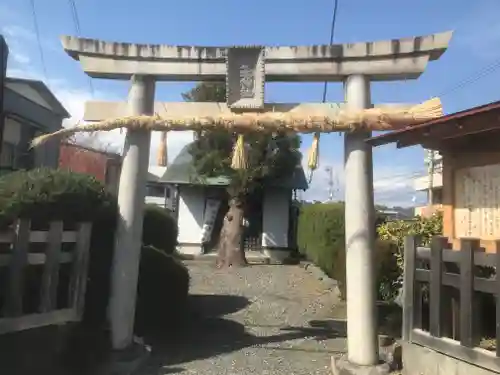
{"type": "Point", "coordinates": [255, 320]}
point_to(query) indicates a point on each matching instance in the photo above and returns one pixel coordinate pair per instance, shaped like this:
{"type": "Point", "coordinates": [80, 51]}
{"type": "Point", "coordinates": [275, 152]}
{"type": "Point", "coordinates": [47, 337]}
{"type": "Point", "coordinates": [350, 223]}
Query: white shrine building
{"type": "Point", "coordinates": [202, 204]}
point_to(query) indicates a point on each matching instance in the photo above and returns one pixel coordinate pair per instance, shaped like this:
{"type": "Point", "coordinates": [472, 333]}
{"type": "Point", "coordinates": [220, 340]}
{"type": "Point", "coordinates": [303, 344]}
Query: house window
{"type": "Point", "coordinates": [8, 155]}
{"type": "Point", "coordinates": [156, 191]}
{"type": "Point", "coordinates": [437, 196]}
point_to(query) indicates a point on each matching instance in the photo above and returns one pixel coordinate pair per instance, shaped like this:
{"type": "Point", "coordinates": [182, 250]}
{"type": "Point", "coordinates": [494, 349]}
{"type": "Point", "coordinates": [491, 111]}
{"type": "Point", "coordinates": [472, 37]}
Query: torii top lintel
{"type": "Point", "coordinates": [382, 60]}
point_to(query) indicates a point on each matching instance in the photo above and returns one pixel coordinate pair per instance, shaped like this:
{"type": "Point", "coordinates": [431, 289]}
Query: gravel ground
{"type": "Point", "coordinates": [254, 320]}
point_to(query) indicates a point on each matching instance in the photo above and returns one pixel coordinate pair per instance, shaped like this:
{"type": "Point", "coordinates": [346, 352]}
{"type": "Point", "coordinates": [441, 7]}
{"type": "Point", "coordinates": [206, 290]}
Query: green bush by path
{"type": "Point", "coordinates": [159, 229]}
{"type": "Point", "coordinates": [396, 231]}
{"type": "Point", "coordinates": [321, 238]}
{"type": "Point", "coordinates": [161, 294]}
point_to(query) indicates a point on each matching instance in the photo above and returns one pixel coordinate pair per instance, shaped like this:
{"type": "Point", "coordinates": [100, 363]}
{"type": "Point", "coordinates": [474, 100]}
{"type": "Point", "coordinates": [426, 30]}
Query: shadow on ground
{"type": "Point", "coordinates": [207, 334]}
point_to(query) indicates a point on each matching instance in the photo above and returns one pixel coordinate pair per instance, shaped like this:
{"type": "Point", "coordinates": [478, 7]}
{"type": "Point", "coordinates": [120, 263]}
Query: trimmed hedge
{"type": "Point", "coordinates": [159, 229]}
{"type": "Point", "coordinates": [43, 195]}
{"type": "Point", "coordinates": [162, 292]}
{"type": "Point", "coordinates": [321, 238]}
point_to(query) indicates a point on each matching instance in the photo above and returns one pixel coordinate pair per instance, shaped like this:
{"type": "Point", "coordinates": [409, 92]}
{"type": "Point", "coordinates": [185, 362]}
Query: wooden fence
{"type": "Point", "coordinates": [19, 259]}
{"type": "Point", "coordinates": [453, 324]}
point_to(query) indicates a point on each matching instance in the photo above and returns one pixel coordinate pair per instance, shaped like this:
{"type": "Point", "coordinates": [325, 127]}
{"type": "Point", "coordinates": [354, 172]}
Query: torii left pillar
{"type": "Point", "coordinates": [128, 239]}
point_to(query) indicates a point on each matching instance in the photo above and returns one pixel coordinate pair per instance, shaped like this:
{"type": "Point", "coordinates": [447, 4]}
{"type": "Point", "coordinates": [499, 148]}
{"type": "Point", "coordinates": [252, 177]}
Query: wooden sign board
{"type": "Point", "coordinates": [245, 77]}
{"type": "Point", "coordinates": [477, 202]}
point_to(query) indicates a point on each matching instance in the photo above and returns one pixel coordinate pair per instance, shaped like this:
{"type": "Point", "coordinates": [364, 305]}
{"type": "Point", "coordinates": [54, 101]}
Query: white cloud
{"type": "Point", "coordinates": [392, 185]}
{"type": "Point", "coordinates": [20, 58]}
{"type": "Point", "coordinates": [18, 33]}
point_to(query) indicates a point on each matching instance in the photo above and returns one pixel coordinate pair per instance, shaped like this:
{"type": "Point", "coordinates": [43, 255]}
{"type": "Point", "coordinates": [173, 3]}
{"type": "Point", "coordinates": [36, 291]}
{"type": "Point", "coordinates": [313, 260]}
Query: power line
{"type": "Point", "coordinates": [78, 30]}
{"type": "Point", "coordinates": [74, 14]}
{"type": "Point", "coordinates": [332, 34]}
{"type": "Point", "coordinates": [481, 73]}
{"type": "Point", "coordinates": [39, 41]}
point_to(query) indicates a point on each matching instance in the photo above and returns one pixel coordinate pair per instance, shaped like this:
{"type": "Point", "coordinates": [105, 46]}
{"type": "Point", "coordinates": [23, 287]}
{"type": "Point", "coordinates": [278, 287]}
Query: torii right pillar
{"type": "Point", "coordinates": [362, 333]}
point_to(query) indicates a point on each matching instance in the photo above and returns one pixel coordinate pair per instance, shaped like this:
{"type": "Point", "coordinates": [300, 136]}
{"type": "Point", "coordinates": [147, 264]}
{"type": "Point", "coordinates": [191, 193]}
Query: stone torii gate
{"type": "Point", "coordinates": [245, 70]}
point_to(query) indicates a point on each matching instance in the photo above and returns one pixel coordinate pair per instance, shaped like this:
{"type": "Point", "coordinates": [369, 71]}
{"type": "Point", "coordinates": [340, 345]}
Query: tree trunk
{"type": "Point", "coordinates": [230, 252]}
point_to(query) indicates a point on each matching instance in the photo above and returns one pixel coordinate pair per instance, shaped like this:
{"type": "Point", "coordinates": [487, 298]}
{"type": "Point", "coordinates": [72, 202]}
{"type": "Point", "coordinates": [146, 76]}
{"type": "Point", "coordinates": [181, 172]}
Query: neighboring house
{"type": "Point", "coordinates": [104, 166]}
{"type": "Point", "coordinates": [30, 109]}
{"type": "Point", "coordinates": [433, 189]}
{"type": "Point", "coordinates": [202, 204]}
{"type": "Point", "coordinates": [469, 142]}
{"type": "Point", "coordinates": [158, 192]}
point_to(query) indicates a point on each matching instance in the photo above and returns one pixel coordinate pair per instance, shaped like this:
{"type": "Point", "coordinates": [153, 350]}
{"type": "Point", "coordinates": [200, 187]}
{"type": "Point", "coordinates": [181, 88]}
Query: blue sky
{"type": "Point", "coordinates": [474, 46]}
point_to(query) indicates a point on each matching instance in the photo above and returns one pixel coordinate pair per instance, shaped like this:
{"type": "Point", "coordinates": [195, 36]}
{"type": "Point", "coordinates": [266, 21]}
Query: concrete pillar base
{"type": "Point", "coordinates": [342, 366]}
{"type": "Point", "coordinates": [126, 361]}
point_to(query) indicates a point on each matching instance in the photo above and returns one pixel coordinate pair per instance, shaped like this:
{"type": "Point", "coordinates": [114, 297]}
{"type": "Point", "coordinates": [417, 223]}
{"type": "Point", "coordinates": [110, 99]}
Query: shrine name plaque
{"type": "Point", "coordinates": [477, 202]}
{"type": "Point", "coordinates": [245, 77]}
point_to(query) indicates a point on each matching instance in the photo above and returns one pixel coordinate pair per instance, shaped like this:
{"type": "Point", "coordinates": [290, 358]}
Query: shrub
{"type": "Point", "coordinates": [321, 238]}
{"type": "Point", "coordinates": [44, 194]}
{"type": "Point", "coordinates": [161, 293]}
{"type": "Point", "coordinates": [396, 231]}
{"type": "Point", "coordinates": [159, 229]}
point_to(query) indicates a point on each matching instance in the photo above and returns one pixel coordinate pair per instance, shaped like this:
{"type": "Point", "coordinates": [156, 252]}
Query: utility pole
{"type": "Point", "coordinates": [329, 170]}
{"type": "Point", "coordinates": [430, 169]}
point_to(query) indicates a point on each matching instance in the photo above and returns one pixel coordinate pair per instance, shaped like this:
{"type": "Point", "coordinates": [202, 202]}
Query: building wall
{"type": "Point", "coordinates": [163, 195]}
{"type": "Point", "coordinates": [453, 162]}
{"type": "Point", "coordinates": [101, 165]}
{"type": "Point", "coordinates": [190, 219]}
{"type": "Point", "coordinates": [82, 160]}
{"type": "Point", "coordinates": [33, 118]}
{"type": "Point", "coordinates": [276, 219]}
{"type": "Point", "coordinates": [419, 360]}
{"type": "Point", "coordinates": [426, 211]}
{"type": "Point", "coordinates": [276, 211]}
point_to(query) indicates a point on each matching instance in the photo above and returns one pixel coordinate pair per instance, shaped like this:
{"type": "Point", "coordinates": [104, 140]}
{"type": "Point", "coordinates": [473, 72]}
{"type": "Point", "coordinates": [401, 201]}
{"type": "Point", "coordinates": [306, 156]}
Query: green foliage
{"type": "Point", "coordinates": [206, 92]}
{"type": "Point", "coordinates": [396, 231]}
{"type": "Point", "coordinates": [270, 156]}
{"type": "Point", "coordinates": [321, 238]}
{"type": "Point", "coordinates": [159, 229]}
{"type": "Point", "coordinates": [46, 194]}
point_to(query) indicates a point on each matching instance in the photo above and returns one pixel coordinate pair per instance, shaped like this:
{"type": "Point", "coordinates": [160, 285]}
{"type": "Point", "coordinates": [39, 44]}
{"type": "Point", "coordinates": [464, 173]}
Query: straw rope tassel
{"type": "Point", "coordinates": [313, 158]}
{"type": "Point", "coordinates": [239, 160]}
{"type": "Point", "coordinates": [162, 158]}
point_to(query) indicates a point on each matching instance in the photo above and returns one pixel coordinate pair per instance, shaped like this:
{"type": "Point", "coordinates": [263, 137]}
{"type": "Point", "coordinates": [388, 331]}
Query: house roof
{"type": "Point", "coordinates": [453, 126]}
{"type": "Point", "coordinates": [156, 172]}
{"type": "Point", "coordinates": [109, 154]}
{"type": "Point", "coordinates": [182, 171]}
{"type": "Point", "coordinates": [37, 92]}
